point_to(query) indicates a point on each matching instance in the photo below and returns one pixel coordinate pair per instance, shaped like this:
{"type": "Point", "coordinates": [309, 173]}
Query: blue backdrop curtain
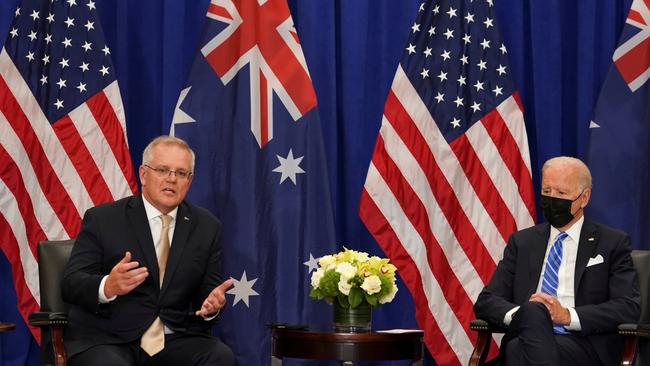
{"type": "Point", "coordinates": [559, 53]}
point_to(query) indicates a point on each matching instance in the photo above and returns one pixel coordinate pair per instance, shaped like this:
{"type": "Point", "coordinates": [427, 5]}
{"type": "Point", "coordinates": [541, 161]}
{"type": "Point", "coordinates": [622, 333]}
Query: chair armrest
{"type": "Point", "coordinates": [481, 325]}
{"type": "Point", "coordinates": [632, 329]}
{"type": "Point", "coordinates": [482, 347]}
{"type": "Point", "coordinates": [54, 322]}
{"type": "Point", "coordinates": [48, 319]}
{"type": "Point", "coordinates": [631, 332]}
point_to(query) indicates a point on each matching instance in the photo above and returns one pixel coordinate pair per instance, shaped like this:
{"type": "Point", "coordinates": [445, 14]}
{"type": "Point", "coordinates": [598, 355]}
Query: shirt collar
{"type": "Point", "coordinates": [573, 232]}
{"type": "Point", "coordinates": [153, 212]}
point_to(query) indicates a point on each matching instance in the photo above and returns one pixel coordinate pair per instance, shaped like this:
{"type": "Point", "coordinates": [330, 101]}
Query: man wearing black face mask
{"type": "Point", "coordinates": [563, 287]}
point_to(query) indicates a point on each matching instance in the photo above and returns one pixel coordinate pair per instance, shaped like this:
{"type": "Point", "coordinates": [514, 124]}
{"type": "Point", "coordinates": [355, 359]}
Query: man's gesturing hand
{"type": "Point", "coordinates": [124, 277]}
{"type": "Point", "coordinates": [215, 300]}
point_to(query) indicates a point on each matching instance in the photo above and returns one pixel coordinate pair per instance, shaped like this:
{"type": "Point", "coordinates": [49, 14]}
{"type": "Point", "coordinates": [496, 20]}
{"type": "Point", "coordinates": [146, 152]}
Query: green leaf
{"type": "Point", "coordinates": [372, 300]}
{"type": "Point", "coordinates": [343, 301]}
{"type": "Point", "coordinates": [355, 297]}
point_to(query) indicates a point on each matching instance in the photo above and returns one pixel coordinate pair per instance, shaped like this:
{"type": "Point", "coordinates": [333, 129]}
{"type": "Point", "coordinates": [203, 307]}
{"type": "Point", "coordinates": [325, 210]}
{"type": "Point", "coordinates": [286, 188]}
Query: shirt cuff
{"type": "Point", "coordinates": [575, 321]}
{"type": "Point", "coordinates": [508, 318]}
{"type": "Point", "coordinates": [207, 319]}
{"type": "Point", "coordinates": [101, 296]}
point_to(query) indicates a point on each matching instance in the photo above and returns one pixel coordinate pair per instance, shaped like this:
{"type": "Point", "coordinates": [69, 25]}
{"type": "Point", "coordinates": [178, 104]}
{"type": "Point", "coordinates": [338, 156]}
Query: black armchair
{"type": "Point", "coordinates": [637, 336]}
{"type": "Point", "coordinates": [52, 258]}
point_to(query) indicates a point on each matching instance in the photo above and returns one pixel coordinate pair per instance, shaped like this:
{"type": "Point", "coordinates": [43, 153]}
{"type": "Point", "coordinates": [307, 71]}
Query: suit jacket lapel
{"type": "Point", "coordinates": [586, 248]}
{"type": "Point", "coordinates": [537, 255]}
{"type": "Point", "coordinates": [184, 224]}
{"type": "Point", "coordinates": [137, 217]}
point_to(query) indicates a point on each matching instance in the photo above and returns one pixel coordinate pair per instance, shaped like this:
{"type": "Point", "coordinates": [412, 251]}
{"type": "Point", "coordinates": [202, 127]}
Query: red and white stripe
{"type": "Point", "coordinates": [50, 174]}
{"type": "Point", "coordinates": [443, 211]}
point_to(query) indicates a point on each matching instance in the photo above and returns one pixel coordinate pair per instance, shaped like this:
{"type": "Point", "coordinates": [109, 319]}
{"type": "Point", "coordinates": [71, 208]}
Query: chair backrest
{"type": "Point", "coordinates": [52, 258]}
{"type": "Point", "coordinates": [641, 259]}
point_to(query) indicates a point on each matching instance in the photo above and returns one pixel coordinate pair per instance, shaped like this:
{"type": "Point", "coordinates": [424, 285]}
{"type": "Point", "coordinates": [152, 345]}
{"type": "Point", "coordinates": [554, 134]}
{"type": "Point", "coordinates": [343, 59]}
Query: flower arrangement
{"type": "Point", "coordinates": [353, 277]}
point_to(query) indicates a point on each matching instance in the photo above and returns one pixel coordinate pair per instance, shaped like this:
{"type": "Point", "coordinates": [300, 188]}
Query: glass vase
{"type": "Point", "coordinates": [348, 320]}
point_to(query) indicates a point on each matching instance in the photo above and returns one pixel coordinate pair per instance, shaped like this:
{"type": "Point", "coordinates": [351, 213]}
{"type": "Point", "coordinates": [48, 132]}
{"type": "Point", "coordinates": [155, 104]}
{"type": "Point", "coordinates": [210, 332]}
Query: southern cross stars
{"type": "Point", "coordinates": [242, 289]}
{"type": "Point", "coordinates": [289, 167]}
{"type": "Point", "coordinates": [312, 263]}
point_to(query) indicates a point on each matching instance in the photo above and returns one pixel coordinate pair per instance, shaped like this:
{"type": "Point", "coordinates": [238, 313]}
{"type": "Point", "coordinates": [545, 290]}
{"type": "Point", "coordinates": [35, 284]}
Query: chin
{"type": "Point", "coordinates": [170, 205]}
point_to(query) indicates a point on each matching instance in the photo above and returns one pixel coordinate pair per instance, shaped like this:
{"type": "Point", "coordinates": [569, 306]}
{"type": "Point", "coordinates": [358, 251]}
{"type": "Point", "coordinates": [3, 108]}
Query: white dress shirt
{"type": "Point", "coordinates": [566, 273]}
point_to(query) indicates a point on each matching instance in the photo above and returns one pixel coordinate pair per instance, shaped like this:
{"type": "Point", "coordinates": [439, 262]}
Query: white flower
{"type": "Point", "coordinates": [346, 269]}
{"type": "Point", "coordinates": [316, 277]}
{"type": "Point", "coordinates": [355, 270]}
{"type": "Point", "coordinates": [360, 256]}
{"type": "Point", "coordinates": [371, 284]}
{"type": "Point", "coordinates": [326, 261]}
{"type": "Point", "coordinates": [344, 285]}
{"type": "Point", "coordinates": [389, 296]}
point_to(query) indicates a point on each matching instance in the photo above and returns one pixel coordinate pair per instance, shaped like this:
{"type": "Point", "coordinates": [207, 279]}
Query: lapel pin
{"type": "Point", "coordinates": [188, 219]}
{"type": "Point", "coordinates": [591, 239]}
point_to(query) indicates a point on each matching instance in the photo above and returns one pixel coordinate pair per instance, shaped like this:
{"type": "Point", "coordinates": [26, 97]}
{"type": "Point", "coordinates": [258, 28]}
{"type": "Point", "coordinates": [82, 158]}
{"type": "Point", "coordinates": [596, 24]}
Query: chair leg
{"type": "Point", "coordinates": [57, 346]}
{"type": "Point", "coordinates": [481, 350]}
{"type": "Point", "coordinates": [629, 350]}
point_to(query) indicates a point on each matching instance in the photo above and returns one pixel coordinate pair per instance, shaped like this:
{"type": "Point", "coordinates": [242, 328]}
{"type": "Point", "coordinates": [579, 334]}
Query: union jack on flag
{"type": "Point", "coordinates": [449, 179]}
{"type": "Point", "coordinates": [274, 56]}
{"type": "Point", "coordinates": [63, 144]}
{"type": "Point", "coordinates": [632, 57]}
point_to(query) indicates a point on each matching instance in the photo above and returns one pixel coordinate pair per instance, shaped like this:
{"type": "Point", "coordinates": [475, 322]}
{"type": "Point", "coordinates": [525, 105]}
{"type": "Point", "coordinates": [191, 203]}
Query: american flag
{"type": "Point", "coordinates": [63, 145]}
{"type": "Point", "coordinates": [450, 177]}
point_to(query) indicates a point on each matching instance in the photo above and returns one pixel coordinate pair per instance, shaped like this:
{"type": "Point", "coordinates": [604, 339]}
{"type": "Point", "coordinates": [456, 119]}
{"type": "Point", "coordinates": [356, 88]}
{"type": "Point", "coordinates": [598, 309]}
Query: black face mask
{"type": "Point", "coordinates": [557, 210]}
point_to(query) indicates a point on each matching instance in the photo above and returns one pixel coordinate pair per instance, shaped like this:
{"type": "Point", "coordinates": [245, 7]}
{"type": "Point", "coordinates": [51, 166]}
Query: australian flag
{"type": "Point", "coordinates": [249, 111]}
{"type": "Point", "coordinates": [619, 147]}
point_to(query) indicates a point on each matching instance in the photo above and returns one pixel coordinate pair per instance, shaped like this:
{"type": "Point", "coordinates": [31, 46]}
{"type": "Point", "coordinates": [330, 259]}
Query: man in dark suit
{"type": "Point", "coordinates": [144, 279]}
{"type": "Point", "coordinates": [562, 288]}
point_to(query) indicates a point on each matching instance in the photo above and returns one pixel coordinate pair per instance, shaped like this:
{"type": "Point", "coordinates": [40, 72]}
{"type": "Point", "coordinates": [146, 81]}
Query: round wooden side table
{"type": "Point", "coordinates": [346, 347]}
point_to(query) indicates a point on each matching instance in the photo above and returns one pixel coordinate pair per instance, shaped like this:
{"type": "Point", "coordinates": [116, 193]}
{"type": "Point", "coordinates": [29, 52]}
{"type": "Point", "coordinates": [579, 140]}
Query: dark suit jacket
{"type": "Point", "coordinates": [108, 231]}
{"type": "Point", "coordinates": [606, 294]}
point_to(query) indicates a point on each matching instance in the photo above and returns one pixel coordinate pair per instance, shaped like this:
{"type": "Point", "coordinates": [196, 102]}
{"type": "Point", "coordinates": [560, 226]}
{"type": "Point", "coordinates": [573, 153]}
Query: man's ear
{"type": "Point", "coordinates": [142, 172]}
{"type": "Point", "coordinates": [586, 195]}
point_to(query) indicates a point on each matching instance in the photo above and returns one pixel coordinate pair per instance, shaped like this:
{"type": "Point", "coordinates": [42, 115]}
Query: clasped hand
{"type": "Point", "coordinates": [559, 314]}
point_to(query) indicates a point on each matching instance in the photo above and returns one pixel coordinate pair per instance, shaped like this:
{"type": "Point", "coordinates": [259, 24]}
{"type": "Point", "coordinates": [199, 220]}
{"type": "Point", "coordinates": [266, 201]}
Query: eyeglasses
{"type": "Point", "coordinates": [166, 172]}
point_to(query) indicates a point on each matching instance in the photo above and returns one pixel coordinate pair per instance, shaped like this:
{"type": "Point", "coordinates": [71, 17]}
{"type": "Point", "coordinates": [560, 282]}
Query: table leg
{"type": "Point", "coordinates": [420, 362]}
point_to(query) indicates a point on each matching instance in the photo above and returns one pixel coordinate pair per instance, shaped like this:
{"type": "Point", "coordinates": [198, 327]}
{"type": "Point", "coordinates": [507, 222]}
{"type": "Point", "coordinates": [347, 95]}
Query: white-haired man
{"type": "Point", "coordinates": [562, 287]}
{"type": "Point", "coordinates": [144, 280]}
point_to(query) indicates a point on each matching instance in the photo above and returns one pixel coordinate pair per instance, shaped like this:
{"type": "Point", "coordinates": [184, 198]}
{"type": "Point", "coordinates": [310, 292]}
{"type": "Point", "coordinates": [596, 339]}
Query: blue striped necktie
{"type": "Point", "coordinates": [551, 278]}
